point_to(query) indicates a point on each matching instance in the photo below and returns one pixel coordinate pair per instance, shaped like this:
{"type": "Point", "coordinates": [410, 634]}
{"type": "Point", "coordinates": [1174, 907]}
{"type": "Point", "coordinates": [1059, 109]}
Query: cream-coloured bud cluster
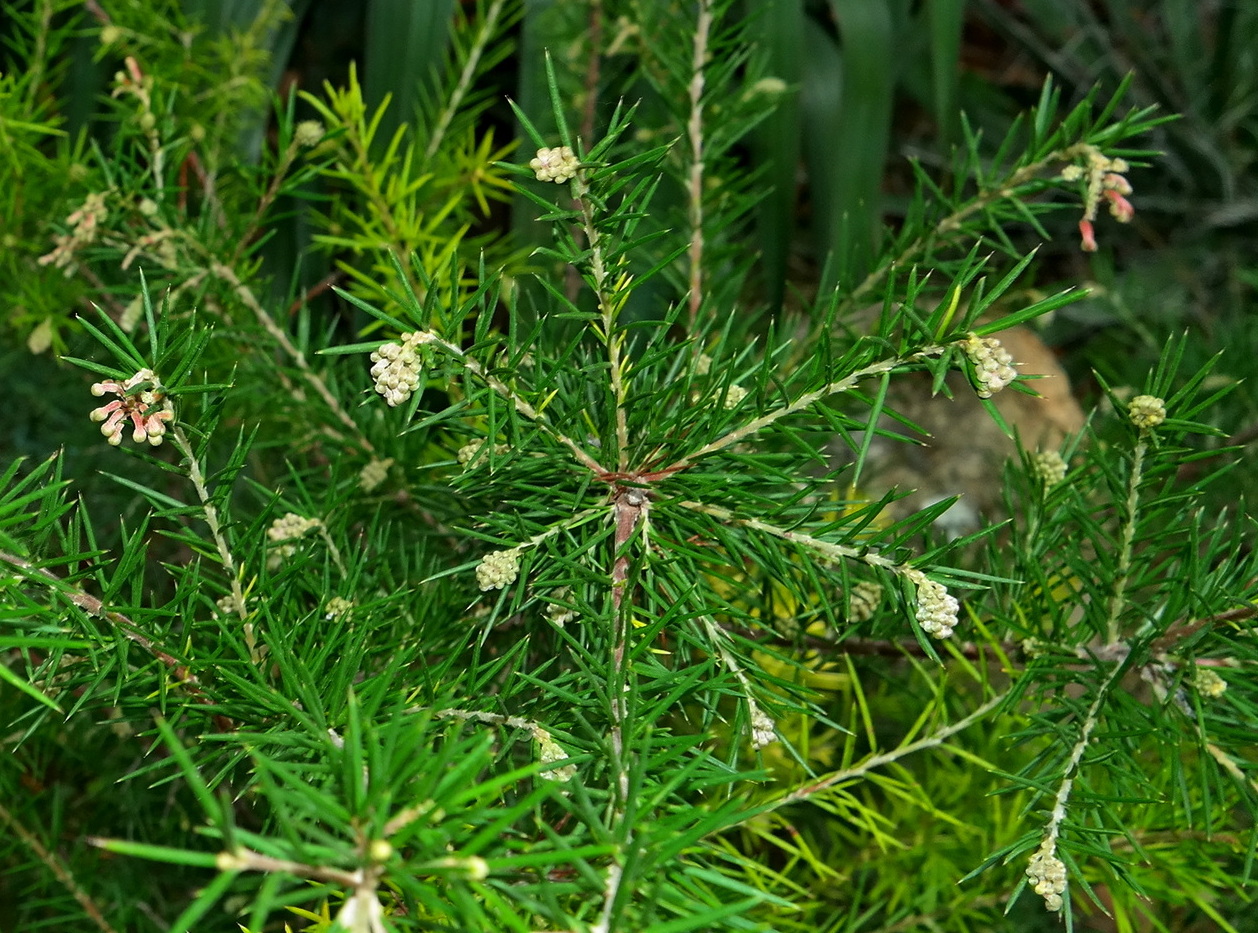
{"type": "Point", "coordinates": [1208, 683]}
{"type": "Point", "coordinates": [863, 600]}
{"type": "Point", "coordinates": [84, 223]}
{"type": "Point", "coordinates": [1146, 411]}
{"type": "Point", "coordinates": [936, 608]}
{"type": "Point", "coordinates": [549, 752]}
{"type": "Point", "coordinates": [374, 473]}
{"type": "Point", "coordinates": [290, 526]}
{"type": "Point", "coordinates": [467, 453]}
{"type": "Point", "coordinates": [1047, 874]}
{"type": "Point", "coordinates": [734, 396]}
{"type": "Point", "coordinates": [287, 528]}
{"type": "Point", "coordinates": [558, 165]}
{"type": "Point", "coordinates": [498, 569]}
{"type": "Point", "coordinates": [557, 612]}
{"type": "Point", "coordinates": [308, 133]}
{"type": "Point", "coordinates": [228, 605]}
{"type": "Point", "coordinates": [397, 368]}
{"type": "Point", "coordinates": [148, 410]}
{"type": "Point", "coordinates": [763, 729]}
{"type": "Point", "coordinates": [336, 606]}
{"type": "Point", "coordinates": [1049, 467]}
{"type": "Point", "coordinates": [993, 366]}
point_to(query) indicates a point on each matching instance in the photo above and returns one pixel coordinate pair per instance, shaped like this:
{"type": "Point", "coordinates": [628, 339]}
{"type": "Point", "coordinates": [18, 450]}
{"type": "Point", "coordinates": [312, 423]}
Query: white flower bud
{"type": "Point", "coordinates": [993, 366]}
{"type": "Point", "coordinates": [1146, 411]}
{"type": "Point", "coordinates": [1049, 467]}
{"type": "Point", "coordinates": [936, 608]}
{"type": "Point", "coordinates": [550, 752]}
{"type": "Point", "coordinates": [1047, 874]}
{"type": "Point", "coordinates": [467, 453]}
{"type": "Point", "coordinates": [558, 165]}
{"type": "Point", "coordinates": [308, 132]}
{"type": "Point", "coordinates": [1208, 683]}
{"type": "Point", "coordinates": [373, 474]}
{"type": "Point", "coordinates": [763, 729]}
{"type": "Point", "coordinates": [734, 397]}
{"type": "Point", "coordinates": [498, 569]}
{"type": "Point", "coordinates": [398, 368]}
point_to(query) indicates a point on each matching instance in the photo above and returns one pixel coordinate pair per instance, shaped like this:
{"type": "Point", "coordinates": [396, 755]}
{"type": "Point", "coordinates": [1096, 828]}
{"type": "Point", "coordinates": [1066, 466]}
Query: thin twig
{"type": "Point", "coordinates": [694, 131]}
{"type": "Point", "coordinates": [872, 762]}
{"type": "Point", "coordinates": [58, 867]}
{"type": "Point", "coordinates": [180, 672]}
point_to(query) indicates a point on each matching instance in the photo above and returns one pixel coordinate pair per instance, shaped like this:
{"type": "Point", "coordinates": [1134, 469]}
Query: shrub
{"type": "Point", "coordinates": [571, 603]}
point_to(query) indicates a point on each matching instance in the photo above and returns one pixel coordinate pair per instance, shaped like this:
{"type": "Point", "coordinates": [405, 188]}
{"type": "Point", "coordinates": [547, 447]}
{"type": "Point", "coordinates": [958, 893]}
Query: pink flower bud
{"type": "Point", "coordinates": [1089, 236]}
{"type": "Point", "coordinates": [1120, 207]}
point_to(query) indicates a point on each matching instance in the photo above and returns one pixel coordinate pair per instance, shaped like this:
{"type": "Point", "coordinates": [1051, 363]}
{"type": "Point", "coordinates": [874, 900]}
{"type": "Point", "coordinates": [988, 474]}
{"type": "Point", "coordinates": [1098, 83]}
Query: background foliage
{"type": "Point", "coordinates": [209, 724]}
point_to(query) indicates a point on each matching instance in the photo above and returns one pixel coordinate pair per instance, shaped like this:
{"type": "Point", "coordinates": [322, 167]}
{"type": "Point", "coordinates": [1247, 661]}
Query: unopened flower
{"type": "Point", "coordinates": [1146, 411]}
{"type": "Point", "coordinates": [307, 133]}
{"type": "Point", "coordinates": [1208, 683]}
{"type": "Point", "coordinates": [373, 474]}
{"type": "Point", "coordinates": [84, 223]}
{"type": "Point", "coordinates": [557, 612]}
{"type": "Point", "coordinates": [288, 528]}
{"type": "Point", "coordinates": [550, 752]}
{"type": "Point", "coordinates": [863, 600]}
{"type": "Point", "coordinates": [468, 452]}
{"type": "Point", "coordinates": [40, 338]}
{"type": "Point", "coordinates": [148, 409]}
{"type": "Point", "coordinates": [1047, 874]}
{"type": "Point", "coordinates": [770, 87]}
{"type": "Point", "coordinates": [336, 606]}
{"type": "Point", "coordinates": [734, 396]}
{"type": "Point", "coordinates": [228, 605]}
{"type": "Point", "coordinates": [398, 367]}
{"type": "Point", "coordinates": [936, 607]}
{"type": "Point", "coordinates": [1049, 467]}
{"type": "Point", "coordinates": [763, 729]}
{"type": "Point", "coordinates": [1106, 181]}
{"type": "Point", "coordinates": [558, 165]}
{"type": "Point", "coordinates": [498, 569]}
{"type": "Point", "coordinates": [993, 366]}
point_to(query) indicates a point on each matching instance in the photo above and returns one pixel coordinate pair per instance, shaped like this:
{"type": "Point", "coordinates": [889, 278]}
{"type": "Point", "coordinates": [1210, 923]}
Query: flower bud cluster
{"type": "Point", "coordinates": [398, 367]}
{"type": "Point", "coordinates": [336, 606]}
{"type": "Point", "coordinates": [558, 165]}
{"type": "Point", "coordinates": [288, 528]}
{"type": "Point", "coordinates": [1049, 467]}
{"type": "Point", "coordinates": [148, 409]}
{"type": "Point", "coordinates": [373, 474]}
{"type": "Point", "coordinates": [936, 608]}
{"type": "Point", "coordinates": [1208, 683]}
{"type": "Point", "coordinates": [1047, 874]}
{"type": "Point", "coordinates": [763, 729]}
{"type": "Point", "coordinates": [993, 366]}
{"type": "Point", "coordinates": [1146, 411]}
{"type": "Point", "coordinates": [307, 133]}
{"type": "Point", "coordinates": [734, 396]}
{"type": "Point", "coordinates": [467, 453]}
{"type": "Point", "coordinates": [227, 606]}
{"type": "Point", "coordinates": [550, 752]}
{"type": "Point", "coordinates": [498, 569]}
{"type": "Point", "coordinates": [863, 600]}
{"type": "Point", "coordinates": [84, 223]}
{"type": "Point", "coordinates": [557, 611]}
{"type": "Point", "coordinates": [1105, 180]}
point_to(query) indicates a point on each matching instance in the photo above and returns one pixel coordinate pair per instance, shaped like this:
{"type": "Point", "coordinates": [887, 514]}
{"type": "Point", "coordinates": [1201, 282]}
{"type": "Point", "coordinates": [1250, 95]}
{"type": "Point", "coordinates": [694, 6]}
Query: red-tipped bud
{"type": "Point", "coordinates": [1089, 236]}
{"type": "Point", "coordinates": [1120, 207]}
